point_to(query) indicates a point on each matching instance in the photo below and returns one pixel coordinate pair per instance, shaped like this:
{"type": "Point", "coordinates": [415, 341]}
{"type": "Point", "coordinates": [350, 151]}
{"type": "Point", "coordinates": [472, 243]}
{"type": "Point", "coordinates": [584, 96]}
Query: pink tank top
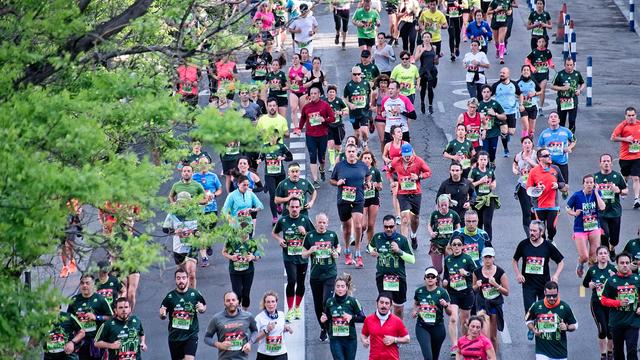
{"type": "Point", "coordinates": [295, 85]}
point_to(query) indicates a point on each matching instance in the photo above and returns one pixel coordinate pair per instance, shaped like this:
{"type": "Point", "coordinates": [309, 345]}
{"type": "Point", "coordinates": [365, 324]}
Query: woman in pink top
{"type": "Point", "coordinates": [265, 15]}
{"type": "Point", "coordinates": [226, 75]}
{"type": "Point", "coordinates": [474, 345]}
{"type": "Point", "coordinates": [297, 73]}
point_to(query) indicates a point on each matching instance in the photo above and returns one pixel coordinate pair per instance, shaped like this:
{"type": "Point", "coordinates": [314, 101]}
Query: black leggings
{"type": "Point", "coordinates": [296, 273]}
{"type": "Point", "coordinates": [601, 317]}
{"type": "Point", "coordinates": [525, 206]}
{"type": "Point", "coordinates": [611, 228]}
{"type": "Point", "coordinates": [427, 86]}
{"type": "Point", "coordinates": [564, 170]}
{"type": "Point", "coordinates": [531, 294]}
{"type": "Point", "coordinates": [321, 290]}
{"type": "Point", "coordinates": [430, 339]}
{"type": "Point", "coordinates": [317, 147]}
{"type": "Point", "coordinates": [485, 218]}
{"type": "Point", "coordinates": [625, 334]}
{"type": "Point", "coordinates": [550, 218]}
{"type": "Point", "coordinates": [455, 25]}
{"type": "Point", "coordinates": [341, 19]}
{"type": "Point", "coordinates": [408, 35]}
{"type": "Point", "coordinates": [271, 182]}
{"type": "Point", "coordinates": [571, 114]}
{"type": "Point", "coordinates": [241, 285]}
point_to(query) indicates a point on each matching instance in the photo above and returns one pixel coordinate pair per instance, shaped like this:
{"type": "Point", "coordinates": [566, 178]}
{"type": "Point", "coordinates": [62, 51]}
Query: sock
{"type": "Point", "coordinates": [505, 142]}
{"type": "Point", "coordinates": [332, 157]}
{"type": "Point", "coordinates": [290, 302]}
{"type": "Point", "coordinates": [298, 300]}
{"type": "Point", "coordinates": [501, 50]}
{"type": "Point", "coordinates": [358, 253]}
{"type": "Point", "coordinates": [347, 251]}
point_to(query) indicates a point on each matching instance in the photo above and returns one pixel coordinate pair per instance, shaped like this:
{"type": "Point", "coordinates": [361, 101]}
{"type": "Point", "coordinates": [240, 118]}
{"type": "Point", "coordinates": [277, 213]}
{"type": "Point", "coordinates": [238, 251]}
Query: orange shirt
{"type": "Point", "coordinates": [628, 151]}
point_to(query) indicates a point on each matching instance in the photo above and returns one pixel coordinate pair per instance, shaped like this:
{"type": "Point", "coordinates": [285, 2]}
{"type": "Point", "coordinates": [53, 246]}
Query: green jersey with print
{"type": "Point", "coordinates": [552, 342]}
{"type": "Point", "coordinates": [193, 188]}
{"type": "Point", "coordinates": [389, 262]}
{"type": "Point", "coordinates": [242, 248]}
{"type": "Point", "coordinates": [358, 93]}
{"type": "Point", "coordinates": [430, 312]}
{"type": "Point", "coordinates": [276, 81]}
{"type": "Point", "coordinates": [599, 277]}
{"type": "Point", "coordinates": [455, 147]}
{"type": "Point", "coordinates": [543, 17]}
{"type": "Point", "coordinates": [323, 265]}
{"type": "Point", "coordinates": [127, 332]}
{"type": "Point", "coordinates": [369, 72]}
{"type": "Point", "coordinates": [288, 226]}
{"type": "Point", "coordinates": [62, 331]}
{"type": "Point", "coordinates": [611, 199]}
{"type": "Point", "coordinates": [619, 288]}
{"type": "Point", "coordinates": [633, 248]}
{"type": "Point", "coordinates": [335, 309]}
{"type": "Point", "coordinates": [540, 60]}
{"type": "Point", "coordinates": [477, 174]}
{"type": "Point", "coordinates": [444, 225]}
{"type": "Point", "coordinates": [452, 266]}
{"type": "Point", "coordinates": [338, 105]}
{"type": "Point", "coordinates": [182, 313]}
{"type": "Point", "coordinates": [406, 78]}
{"type": "Point", "coordinates": [81, 307]}
{"type": "Point", "coordinates": [493, 124]}
{"type": "Point", "coordinates": [376, 177]}
{"type": "Point", "coordinates": [370, 19]}
{"type": "Point", "coordinates": [574, 80]}
{"type": "Point", "coordinates": [298, 189]}
{"type": "Point", "coordinates": [280, 8]}
{"type": "Point", "coordinates": [110, 289]}
{"type": "Point", "coordinates": [273, 166]}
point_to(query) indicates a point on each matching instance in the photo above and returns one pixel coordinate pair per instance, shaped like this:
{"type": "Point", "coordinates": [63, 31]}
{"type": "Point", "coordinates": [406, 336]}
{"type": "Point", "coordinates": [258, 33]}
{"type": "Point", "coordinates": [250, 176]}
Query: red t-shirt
{"type": "Point", "coordinates": [392, 327]}
{"type": "Point", "coordinates": [415, 166]}
{"type": "Point", "coordinates": [546, 177]}
{"type": "Point", "coordinates": [628, 151]}
{"type": "Point", "coordinates": [188, 84]}
{"type": "Point", "coordinates": [475, 349]}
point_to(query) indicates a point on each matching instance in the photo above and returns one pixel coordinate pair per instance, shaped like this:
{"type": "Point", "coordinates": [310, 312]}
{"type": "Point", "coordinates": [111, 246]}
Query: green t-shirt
{"type": "Point", "coordinates": [540, 60]}
{"type": "Point", "coordinates": [338, 105]}
{"type": "Point", "coordinates": [335, 309]}
{"type": "Point", "coordinates": [428, 304]}
{"type": "Point", "coordinates": [444, 225]}
{"type": "Point", "coordinates": [598, 276]}
{"type": "Point", "coordinates": [552, 342]}
{"type": "Point", "coordinates": [323, 265]}
{"type": "Point", "coordinates": [493, 124]}
{"type": "Point", "coordinates": [62, 331]}
{"type": "Point", "coordinates": [109, 289]}
{"type": "Point", "coordinates": [543, 17]}
{"type": "Point", "coordinates": [406, 78]}
{"type": "Point", "coordinates": [288, 226]}
{"type": "Point", "coordinates": [193, 188]}
{"type": "Point", "coordinates": [272, 165]}
{"type": "Point", "coordinates": [618, 288]}
{"type": "Point", "coordinates": [358, 95]}
{"type": "Point", "coordinates": [242, 249]}
{"type": "Point", "coordinates": [376, 177]}
{"type": "Point", "coordinates": [299, 188]}
{"type": "Point", "coordinates": [611, 199]}
{"type": "Point", "coordinates": [455, 147]}
{"type": "Point", "coordinates": [477, 174]}
{"type": "Point", "coordinates": [95, 304]}
{"type": "Point", "coordinates": [574, 79]}
{"type": "Point", "coordinates": [275, 82]}
{"type": "Point", "coordinates": [182, 314]}
{"type": "Point", "coordinates": [371, 19]}
{"type": "Point", "coordinates": [369, 72]}
{"type": "Point", "coordinates": [633, 249]}
{"type": "Point", "coordinates": [452, 266]}
{"type": "Point", "coordinates": [128, 332]}
{"type": "Point", "coordinates": [388, 262]}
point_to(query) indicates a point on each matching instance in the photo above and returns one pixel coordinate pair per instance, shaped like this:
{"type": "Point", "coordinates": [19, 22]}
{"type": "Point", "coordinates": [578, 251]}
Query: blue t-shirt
{"type": "Point", "coordinates": [528, 87]}
{"type": "Point", "coordinates": [209, 182]}
{"type": "Point", "coordinates": [473, 244]}
{"type": "Point", "coordinates": [588, 219]}
{"type": "Point", "coordinates": [354, 174]}
{"type": "Point", "coordinates": [507, 96]}
{"type": "Point", "coordinates": [556, 141]}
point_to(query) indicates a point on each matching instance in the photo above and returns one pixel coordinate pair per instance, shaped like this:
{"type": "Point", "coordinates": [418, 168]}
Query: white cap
{"type": "Point", "coordinates": [431, 271]}
{"type": "Point", "coordinates": [488, 251]}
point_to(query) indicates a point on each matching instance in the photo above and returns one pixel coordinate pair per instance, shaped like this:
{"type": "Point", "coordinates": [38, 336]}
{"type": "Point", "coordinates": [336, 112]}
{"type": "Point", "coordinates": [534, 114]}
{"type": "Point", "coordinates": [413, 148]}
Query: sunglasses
{"type": "Point", "coordinates": [405, 58]}
{"type": "Point", "coordinates": [551, 296]}
{"type": "Point", "coordinates": [389, 226]}
{"type": "Point", "coordinates": [356, 74]}
{"type": "Point", "coordinates": [545, 155]}
{"type": "Point", "coordinates": [456, 244]}
{"type": "Point", "coordinates": [430, 277]}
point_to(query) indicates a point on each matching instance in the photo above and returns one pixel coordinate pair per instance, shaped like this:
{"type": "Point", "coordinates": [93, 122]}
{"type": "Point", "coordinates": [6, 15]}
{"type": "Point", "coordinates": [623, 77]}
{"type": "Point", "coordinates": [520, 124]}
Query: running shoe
{"type": "Point", "coordinates": [348, 260]}
{"type": "Point", "coordinates": [359, 263]}
{"type": "Point", "coordinates": [453, 58]}
{"type": "Point", "coordinates": [457, 52]}
{"type": "Point", "coordinates": [64, 272]}
{"type": "Point", "coordinates": [297, 313]}
{"type": "Point", "coordinates": [430, 109]}
{"type": "Point", "coordinates": [422, 109]}
{"type": "Point", "coordinates": [502, 61]}
{"type": "Point", "coordinates": [323, 335]}
{"type": "Point", "coordinates": [205, 262]}
{"type": "Point", "coordinates": [414, 242]}
{"type": "Point", "coordinates": [344, 47]}
{"type": "Point", "coordinates": [316, 184]}
{"type": "Point", "coordinates": [290, 316]}
{"type": "Point", "coordinates": [530, 335]}
{"type": "Point", "coordinates": [636, 203]}
{"type": "Point", "coordinates": [322, 174]}
{"type": "Point", "coordinates": [580, 270]}
{"type": "Point", "coordinates": [505, 154]}
{"type": "Point", "coordinates": [337, 40]}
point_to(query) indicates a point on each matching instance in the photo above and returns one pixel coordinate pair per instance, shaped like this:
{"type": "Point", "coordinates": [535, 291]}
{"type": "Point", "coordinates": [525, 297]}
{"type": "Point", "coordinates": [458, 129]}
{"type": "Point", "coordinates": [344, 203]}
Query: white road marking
{"type": "Point", "coordinates": [298, 156]}
{"type": "Point", "coordinates": [505, 336]}
{"type": "Point", "coordinates": [296, 342]}
{"type": "Point", "coordinates": [296, 145]}
{"type": "Point", "coordinates": [440, 106]}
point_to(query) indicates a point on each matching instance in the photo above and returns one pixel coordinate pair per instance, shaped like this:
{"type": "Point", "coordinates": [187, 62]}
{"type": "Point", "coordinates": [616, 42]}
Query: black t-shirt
{"type": "Point", "coordinates": [535, 261]}
{"type": "Point", "coordinates": [487, 290]}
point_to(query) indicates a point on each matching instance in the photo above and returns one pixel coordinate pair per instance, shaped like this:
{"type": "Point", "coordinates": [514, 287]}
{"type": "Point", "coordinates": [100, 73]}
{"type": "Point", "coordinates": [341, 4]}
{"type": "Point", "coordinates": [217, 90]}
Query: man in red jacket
{"type": "Point", "coordinates": [408, 170]}
{"type": "Point", "coordinates": [316, 115]}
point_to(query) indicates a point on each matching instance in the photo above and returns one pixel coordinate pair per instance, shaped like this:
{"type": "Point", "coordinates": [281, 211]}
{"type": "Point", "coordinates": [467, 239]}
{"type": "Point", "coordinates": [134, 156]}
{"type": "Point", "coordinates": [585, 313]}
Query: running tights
{"type": "Point", "coordinates": [455, 25]}
{"type": "Point", "coordinates": [571, 115]}
{"type": "Point", "coordinates": [241, 285]}
{"type": "Point", "coordinates": [271, 183]}
{"type": "Point", "coordinates": [430, 339]}
{"type": "Point", "coordinates": [550, 218]}
{"type": "Point", "coordinates": [531, 294]}
{"type": "Point", "coordinates": [525, 206]}
{"type": "Point", "coordinates": [601, 317]}
{"type": "Point", "coordinates": [485, 218]}
{"type": "Point", "coordinates": [408, 35]}
{"type": "Point", "coordinates": [611, 228]}
{"type": "Point", "coordinates": [296, 273]}
{"type": "Point", "coordinates": [491, 146]}
{"type": "Point", "coordinates": [341, 19]}
{"type": "Point", "coordinates": [625, 334]}
{"type": "Point", "coordinates": [427, 86]}
{"type": "Point", "coordinates": [321, 290]}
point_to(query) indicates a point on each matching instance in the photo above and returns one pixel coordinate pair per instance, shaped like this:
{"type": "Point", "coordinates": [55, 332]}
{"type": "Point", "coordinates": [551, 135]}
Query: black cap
{"type": "Point", "coordinates": [304, 8]}
{"type": "Point", "coordinates": [104, 266]}
{"type": "Point", "coordinates": [365, 53]}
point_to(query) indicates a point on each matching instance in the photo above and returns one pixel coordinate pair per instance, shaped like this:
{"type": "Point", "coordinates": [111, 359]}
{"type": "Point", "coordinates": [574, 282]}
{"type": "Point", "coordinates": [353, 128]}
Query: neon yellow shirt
{"type": "Point", "coordinates": [406, 78]}
{"type": "Point", "coordinates": [432, 23]}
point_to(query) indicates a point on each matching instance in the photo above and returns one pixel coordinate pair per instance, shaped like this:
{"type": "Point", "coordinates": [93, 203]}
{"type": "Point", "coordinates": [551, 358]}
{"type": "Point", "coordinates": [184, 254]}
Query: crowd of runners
{"type": "Point", "coordinates": [290, 96]}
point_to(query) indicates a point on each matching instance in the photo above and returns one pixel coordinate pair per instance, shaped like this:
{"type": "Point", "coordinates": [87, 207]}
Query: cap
{"type": "Point", "coordinates": [431, 271]}
{"type": "Point", "coordinates": [365, 53]}
{"type": "Point", "coordinates": [457, 236]}
{"type": "Point", "coordinates": [488, 251]}
{"type": "Point", "coordinates": [406, 149]}
{"type": "Point", "coordinates": [104, 266]}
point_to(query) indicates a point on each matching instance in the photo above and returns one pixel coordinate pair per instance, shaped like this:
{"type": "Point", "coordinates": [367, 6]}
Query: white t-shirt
{"type": "Point", "coordinates": [393, 109]}
{"type": "Point", "coordinates": [306, 24]}
{"type": "Point", "coordinates": [481, 58]}
{"type": "Point", "coordinates": [275, 337]}
{"type": "Point", "coordinates": [183, 230]}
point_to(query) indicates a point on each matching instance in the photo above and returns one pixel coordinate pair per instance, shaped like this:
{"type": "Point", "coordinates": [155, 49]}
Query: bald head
{"type": "Point", "coordinates": [504, 73]}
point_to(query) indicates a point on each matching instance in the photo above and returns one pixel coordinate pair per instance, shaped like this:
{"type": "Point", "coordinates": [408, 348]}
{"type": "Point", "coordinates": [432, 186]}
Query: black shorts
{"type": "Point", "coordinates": [337, 134]}
{"type": "Point", "coordinates": [511, 121]}
{"type": "Point", "coordinates": [497, 25]}
{"type": "Point", "coordinates": [357, 122]}
{"type": "Point", "coordinates": [372, 201]}
{"type": "Point", "coordinates": [630, 167]}
{"type": "Point", "coordinates": [539, 77]}
{"type": "Point", "coordinates": [398, 297]}
{"type": "Point", "coordinates": [178, 349]}
{"type": "Point", "coordinates": [484, 6]}
{"type": "Point", "coordinates": [280, 22]}
{"type": "Point", "coordinates": [531, 113]}
{"type": "Point", "coordinates": [282, 101]}
{"type": "Point", "coordinates": [346, 208]}
{"type": "Point", "coordinates": [366, 42]}
{"type": "Point", "coordinates": [181, 258]}
{"type": "Point", "coordinates": [405, 137]}
{"type": "Point", "coordinates": [229, 165]}
{"type": "Point", "coordinates": [410, 202]}
{"type": "Point", "coordinates": [391, 8]}
{"type": "Point", "coordinates": [464, 299]}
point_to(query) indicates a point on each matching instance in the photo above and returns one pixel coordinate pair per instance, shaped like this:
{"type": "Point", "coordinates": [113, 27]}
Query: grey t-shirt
{"type": "Point", "coordinates": [384, 63]}
{"type": "Point", "coordinates": [251, 112]}
{"type": "Point", "coordinates": [238, 329]}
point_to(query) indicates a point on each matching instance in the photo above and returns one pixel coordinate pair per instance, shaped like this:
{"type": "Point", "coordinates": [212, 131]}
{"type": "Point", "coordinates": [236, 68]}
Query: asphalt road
{"type": "Point", "coordinates": [430, 134]}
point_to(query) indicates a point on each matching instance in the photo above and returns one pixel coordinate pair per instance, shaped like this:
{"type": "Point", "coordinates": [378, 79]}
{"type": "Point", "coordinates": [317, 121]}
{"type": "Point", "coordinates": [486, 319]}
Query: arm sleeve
{"type": "Point", "coordinates": [587, 279]}
{"type": "Point", "coordinates": [211, 331]}
{"type": "Point", "coordinates": [605, 301]}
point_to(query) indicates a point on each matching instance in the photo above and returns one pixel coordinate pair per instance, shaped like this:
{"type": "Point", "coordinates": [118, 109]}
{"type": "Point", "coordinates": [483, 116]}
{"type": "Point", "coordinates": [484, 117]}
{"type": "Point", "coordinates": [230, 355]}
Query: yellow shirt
{"type": "Point", "coordinates": [266, 125]}
{"type": "Point", "coordinates": [432, 23]}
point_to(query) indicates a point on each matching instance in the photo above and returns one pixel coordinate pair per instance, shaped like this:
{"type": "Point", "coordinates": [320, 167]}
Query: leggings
{"type": "Point", "coordinates": [571, 114]}
{"type": "Point", "coordinates": [530, 294]}
{"type": "Point", "coordinates": [564, 170]}
{"type": "Point", "coordinates": [525, 206]}
{"type": "Point", "coordinates": [271, 182]}
{"type": "Point", "coordinates": [475, 90]}
{"type": "Point", "coordinates": [343, 348]}
{"type": "Point", "coordinates": [341, 18]}
{"type": "Point", "coordinates": [509, 26]}
{"type": "Point", "coordinates": [317, 147]}
{"type": "Point", "coordinates": [261, 356]}
{"type": "Point", "coordinates": [430, 339]}
{"type": "Point", "coordinates": [427, 86]}
{"type": "Point", "coordinates": [611, 228]}
{"type": "Point", "coordinates": [321, 291]}
{"type": "Point", "coordinates": [455, 25]}
{"type": "Point", "coordinates": [601, 317]}
{"type": "Point", "coordinates": [241, 285]}
{"type": "Point", "coordinates": [550, 218]}
{"type": "Point", "coordinates": [296, 273]}
{"type": "Point", "coordinates": [625, 334]}
{"type": "Point", "coordinates": [490, 145]}
{"type": "Point", "coordinates": [485, 218]}
{"type": "Point", "coordinates": [408, 35]}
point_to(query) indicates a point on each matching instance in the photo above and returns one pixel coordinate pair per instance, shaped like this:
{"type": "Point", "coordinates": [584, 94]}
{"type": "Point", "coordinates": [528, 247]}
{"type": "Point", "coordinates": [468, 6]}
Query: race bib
{"type": "Point", "coordinates": [295, 87]}
{"type": "Point", "coordinates": [534, 265]}
{"type": "Point", "coordinates": [538, 31]}
{"type": "Point", "coordinates": [556, 148]}
{"type": "Point", "coordinates": [589, 222]}
{"type": "Point", "coordinates": [465, 163]}
{"type": "Point", "coordinates": [484, 189]}
{"type": "Point", "coordinates": [471, 250]}
{"type": "Point", "coordinates": [390, 283]}
{"type": "Point", "coordinates": [339, 326]}
{"type": "Point", "coordinates": [634, 147]}
{"type": "Point", "coordinates": [454, 12]}
{"type": "Point", "coordinates": [323, 250]}
{"type": "Point", "coordinates": [542, 67]}
{"type": "Point", "coordinates": [294, 247]}
{"type": "Point", "coordinates": [241, 265]}
{"type": "Point", "coordinates": [107, 293]}
{"type": "Point", "coordinates": [233, 149]}
{"type": "Point", "coordinates": [297, 193]}
{"type": "Point", "coordinates": [489, 292]}
{"type": "Point", "coordinates": [273, 343]}
{"type": "Point", "coordinates": [274, 166]}
{"type": "Point", "coordinates": [473, 135]}
{"type": "Point", "coordinates": [408, 184]}
{"type": "Point", "coordinates": [260, 72]}
{"type": "Point", "coordinates": [274, 84]}
{"type": "Point", "coordinates": [181, 320]}
{"type": "Point", "coordinates": [445, 226]}
{"type": "Point", "coordinates": [457, 282]}
{"type": "Point", "coordinates": [607, 193]}
{"type": "Point", "coordinates": [566, 104]}
{"type": "Point", "coordinates": [315, 119]}
{"type": "Point", "coordinates": [427, 313]}
{"type": "Point", "coordinates": [627, 292]}
{"type": "Point", "coordinates": [55, 343]}
{"type": "Point", "coordinates": [599, 289]}
{"type": "Point", "coordinates": [359, 101]}
{"type": "Point", "coordinates": [547, 323]}
{"type": "Point", "coordinates": [85, 323]}
{"type": "Point", "coordinates": [369, 193]}
{"type": "Point", "coordinates": [502, 17]}
{"type": "Point", "coordinates": [349, 193]}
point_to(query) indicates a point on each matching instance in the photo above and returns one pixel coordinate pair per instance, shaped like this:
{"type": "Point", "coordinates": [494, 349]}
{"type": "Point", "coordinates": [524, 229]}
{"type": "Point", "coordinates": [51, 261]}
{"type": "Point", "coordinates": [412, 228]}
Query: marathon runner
{"type": "Point", "coordinates": [186, 184]}
{"type": "Point", "coordinates": [303, 28]}
{"type": "Point", "coordinates": [274, 154]}
{"type": "Point", "coordinates": [500, 12]}
{"type": "Point", "coordinates": [443, 222]}
{"type": "Point", "coordinates": [336, 128]}
{"type": "Point", "coordinates": [367, 21]}
{"type": "Point", "coordinates": [474, 344]}
{"type": "Point", "coordinates": [559, 141]}
{"type": "Point", "coordinates": [108, 285]}
{"type": "Point", "coordinates": [398, 109]}
{"type": "Point", "coordinates": [272, 122]}
{"type": "Point", "coordinates": [408, 13]}
{"type": "Point", "coordinates": [213, 189]}
{"type": "Point", "coordinates": [123, 335]}
{"type": "Point", "coordinates": [295, 79]}
{"type": "Point", "coordinates": [523, 162]}
{"type": "Point", "coordinates": [378, 93]}
{"type": "Point", "coordinates": [371, 195]}
{"type": "Point", "coordinates": [383, 341]}
{"type": "Point", "coordinates": [242, 252]}
{"type": "Point", "coordinates": [356, 94]}
{"type": "Point", "coordinates": [460, 150]}
{"type": "Point", "coordinates": [474, 240]}
{"type": "Point", "coordinates": [632, 247]}
{"type": "Point", "coordinates": [569, 85]}
{"type": "Point", "coordinates": [479, 30]}
{"type": "Point", "coordinates": [540, 60]}
{"type": "Point", "coordinates": [369, 69]}
{"type": "Point", "coordinates": [453, 11]}
{"type": "Point", "coordinates": [459, 189]}
{"type": "Point", "coordinates": [428, 71]}
{"type": "Point", "coordinates": [472, 121]}
{"type": "Point", "coordinates": [627, 133]}
{"type": "Point", "coordinates": [295, 187]}
{"type": "Point", "coordinates": [276, 81]}
{"type": "Point", "coordinates": [242, 203]}
{"type": "Point", "coordinates": [476, 63]}
{"type": "Point", "coordinates": [272, 327]}
{"type": "Point", "coordinates": [493, 120]}
{"type": "Point", "coordinates": [183, 228]}
{"type": "Point", "coordinates": [392, 150]}
{"type": "Point", "coordinates": [430, 303]}
{"type": "Point", "coordinates": [235, 329]}
{"type": "Point", "coordinates": [383, 55]}
{"type": "Point", "coordinates": [62, 340]}
{"type": "Point", "coordinates": [483, 178]}
{"type": "Point", "coordinates": [392, 12]}
{"type": "Point", "coordinates": [433, 20]}
{"type": "Point", "coordinates": [539, 21]}
{"type": "Point", "coordinates": [340, 9]}
{"type": "Point", "coordinates": [508, 95]}
{"type": "Point", "coordinates": [407, 76]}
{"type": "Point", "coordinates": [530, 92]}
{"type": "Point", "coordinates": [612, 186]}
{"type": "Point", "coordinates": [73, 233]}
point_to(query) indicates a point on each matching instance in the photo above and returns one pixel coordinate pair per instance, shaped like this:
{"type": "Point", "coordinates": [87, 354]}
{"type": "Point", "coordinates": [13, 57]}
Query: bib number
{"type": "Point", "coordinates": [547, 323]}
{"type": "Point", "coordinates": [538, 31]}
{"type": "Point", "coordinates": [294, 247]}
{"type": "Point", "coordinates": [471, 250]}
{"type": "Point", "coordinates": [273, 343]}
{"type": "Point", "coordinates": [408, 184]}
{"type": "Point", "coordinates": [323, 250]}
{"type": "Point", "coordinates": [349, 193]}
{"type": "Point", "coordinates": [181, 320]}
{"type": "Point", "coordinates": [589, 222]}
{"type": "Point", "coordinates": [315, 120]}
{"type": "Point", "coordinates": [489, 292]}
{"type": "Point", "coordinates": [534, 265]}
{"type": "Point", "coordinates": [339, 326]}
{"type": "Point", "coordinates": [634, 147]}
{"type": "Point", "coordinates": [457, 282]}
{"type": "Point", "coordinates": [274, 166]}
{"type": "Point", "coordinates": [566, 104]}
{"type": "Point", "coordinates": [501, 17]}
{"type": "Point", "coordinates": [428, 313]}
{"type": "Point", "coordinates": [390, 283]}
